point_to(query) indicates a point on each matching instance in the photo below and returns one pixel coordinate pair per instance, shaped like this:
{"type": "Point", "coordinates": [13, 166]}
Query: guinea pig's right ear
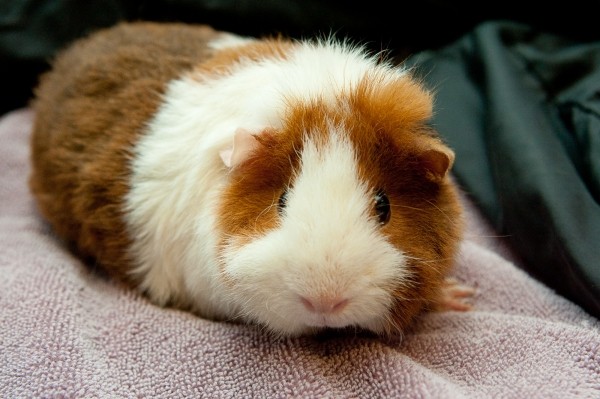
{"type": "Point", "coordinates": [243, 144]}
{"type": "Point", "coordinates": [437, 159]}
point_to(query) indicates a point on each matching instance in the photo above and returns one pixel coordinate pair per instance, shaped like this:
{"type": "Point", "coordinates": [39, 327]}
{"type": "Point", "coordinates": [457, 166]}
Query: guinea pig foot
{"type": "Point", "coordinates": [455, 296]}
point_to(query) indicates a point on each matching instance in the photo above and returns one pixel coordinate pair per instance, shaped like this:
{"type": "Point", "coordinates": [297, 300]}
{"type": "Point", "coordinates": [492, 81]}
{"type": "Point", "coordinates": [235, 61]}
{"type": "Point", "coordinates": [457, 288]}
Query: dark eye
{"type": "Point", "coordinates": [282, 202]}
{"type": "Point", "coordinates": [382, 207]}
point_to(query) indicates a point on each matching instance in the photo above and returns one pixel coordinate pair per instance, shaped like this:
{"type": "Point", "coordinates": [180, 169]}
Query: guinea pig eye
{"type": "Point", "coordinates": [382, 207]}
{"type": "Point", "coordinates": [282, 202]}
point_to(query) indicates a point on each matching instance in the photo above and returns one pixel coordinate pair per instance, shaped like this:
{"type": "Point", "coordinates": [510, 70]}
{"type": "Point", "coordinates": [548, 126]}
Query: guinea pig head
{"type": "Point", "coordinates": [345, 216]}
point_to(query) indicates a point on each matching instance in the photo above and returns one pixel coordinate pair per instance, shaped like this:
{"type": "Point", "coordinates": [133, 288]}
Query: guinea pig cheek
{"type": "Point", "coordinates": [254, 270]}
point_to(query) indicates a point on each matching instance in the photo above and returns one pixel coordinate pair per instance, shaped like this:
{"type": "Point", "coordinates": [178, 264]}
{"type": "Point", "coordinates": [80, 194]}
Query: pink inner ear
{"type": "Point", "coordinates": [244, 142]}
{"type": "Point", "coordinates": [437, 161]}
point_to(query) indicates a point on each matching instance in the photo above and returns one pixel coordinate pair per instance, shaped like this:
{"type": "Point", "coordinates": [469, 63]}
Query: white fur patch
{"type": "Point", "coordinates": [226, 40]}
{"type": "Point", "coordinates": [326, 240]}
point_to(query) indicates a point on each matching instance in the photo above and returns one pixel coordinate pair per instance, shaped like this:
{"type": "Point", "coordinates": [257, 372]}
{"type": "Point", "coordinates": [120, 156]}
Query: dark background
{"type": "Point", "coordinates": [31, 31]}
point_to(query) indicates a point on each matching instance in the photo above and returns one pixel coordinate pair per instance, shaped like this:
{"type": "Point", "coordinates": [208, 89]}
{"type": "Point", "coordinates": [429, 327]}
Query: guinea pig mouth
{"type": "Point", "coordinates": [326, 321]}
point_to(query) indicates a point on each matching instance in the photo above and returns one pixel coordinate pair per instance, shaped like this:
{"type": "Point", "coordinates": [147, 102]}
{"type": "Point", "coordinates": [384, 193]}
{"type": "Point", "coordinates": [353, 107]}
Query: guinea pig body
{"type": "Point", "coordinates": [293, 184]}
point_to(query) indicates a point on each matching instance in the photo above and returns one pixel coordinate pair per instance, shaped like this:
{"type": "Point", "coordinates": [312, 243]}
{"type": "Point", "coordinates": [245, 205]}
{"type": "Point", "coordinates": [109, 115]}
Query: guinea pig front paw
{"type": "Point", "coordinates": [455, 296]}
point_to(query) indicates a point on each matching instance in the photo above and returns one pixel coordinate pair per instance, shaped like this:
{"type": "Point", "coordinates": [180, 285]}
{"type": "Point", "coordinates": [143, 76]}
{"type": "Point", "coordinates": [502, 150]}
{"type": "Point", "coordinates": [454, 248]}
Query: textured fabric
{"type": "Point", "coordinates": [68, 331]}
{"type": "Point", "coordinates": [522, 110]}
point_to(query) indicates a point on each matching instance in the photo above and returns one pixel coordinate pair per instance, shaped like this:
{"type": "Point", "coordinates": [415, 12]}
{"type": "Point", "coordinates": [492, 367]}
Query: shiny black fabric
{"type": "Point", "coordinates": [522, 110]}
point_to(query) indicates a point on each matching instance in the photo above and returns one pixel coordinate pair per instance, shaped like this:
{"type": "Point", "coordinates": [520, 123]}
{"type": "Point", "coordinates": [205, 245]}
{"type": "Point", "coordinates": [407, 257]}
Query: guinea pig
{"type": "Point", "coordinates": [294, 184]}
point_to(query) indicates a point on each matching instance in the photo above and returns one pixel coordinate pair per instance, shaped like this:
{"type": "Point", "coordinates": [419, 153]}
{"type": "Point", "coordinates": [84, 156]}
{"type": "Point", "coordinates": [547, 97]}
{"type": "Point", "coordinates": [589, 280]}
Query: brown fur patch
{"type": "Point", "coordinates": [249, 206]}
{"type": "Point", "coordinates": [91, 108]}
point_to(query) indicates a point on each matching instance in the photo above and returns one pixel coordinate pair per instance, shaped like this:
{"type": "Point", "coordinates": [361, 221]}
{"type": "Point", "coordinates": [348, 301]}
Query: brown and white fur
{"type": "Point", "coordinates": [161, 152]}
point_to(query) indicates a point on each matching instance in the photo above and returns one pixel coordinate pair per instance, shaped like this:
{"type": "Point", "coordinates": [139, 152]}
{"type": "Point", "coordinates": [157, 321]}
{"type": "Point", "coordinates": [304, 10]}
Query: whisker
{"type": "Point", "coordinates": [407, 207]}
{"type": "Point", "coordinates": [448, 218]}
{"type": "Point", "coordinates": [264, 211]}
{"type": "Point", "coordinates": [488, 235]}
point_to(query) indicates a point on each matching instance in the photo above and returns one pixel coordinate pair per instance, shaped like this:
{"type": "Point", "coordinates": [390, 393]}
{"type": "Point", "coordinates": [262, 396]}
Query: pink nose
{"type": "Point", "coordinates": [324, 304]}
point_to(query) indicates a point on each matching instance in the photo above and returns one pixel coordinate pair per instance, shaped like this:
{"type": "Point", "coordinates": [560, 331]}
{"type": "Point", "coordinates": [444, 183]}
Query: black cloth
{"type": "Point", "coordinates": [522, 110]}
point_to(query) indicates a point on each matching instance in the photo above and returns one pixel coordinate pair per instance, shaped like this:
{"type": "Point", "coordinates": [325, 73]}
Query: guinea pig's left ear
{"type": "Point", "coordinates": [437, 159]}
{"type": "Point", "coordinates": [243, 144]}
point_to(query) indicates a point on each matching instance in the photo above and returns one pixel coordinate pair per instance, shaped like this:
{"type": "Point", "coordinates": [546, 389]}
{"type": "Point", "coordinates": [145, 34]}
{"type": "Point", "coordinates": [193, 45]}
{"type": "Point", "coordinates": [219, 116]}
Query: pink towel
{"type": "Point", "coordinates": [68, 331]}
